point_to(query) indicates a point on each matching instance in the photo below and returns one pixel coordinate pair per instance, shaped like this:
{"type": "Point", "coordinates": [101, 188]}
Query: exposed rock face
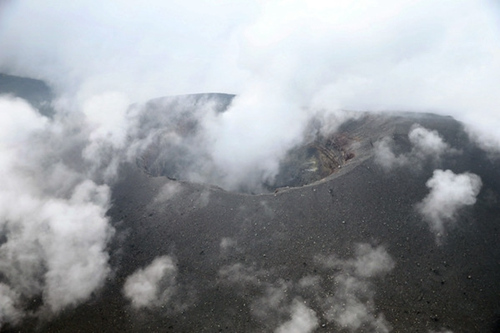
{"type": "Point", "coordinates": [315, 161]}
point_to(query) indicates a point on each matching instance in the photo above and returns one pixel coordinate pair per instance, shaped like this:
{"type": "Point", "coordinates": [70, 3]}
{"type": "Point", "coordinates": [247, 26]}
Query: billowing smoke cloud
{"type": "Point", "coordinates": [239, 273]}
{"type": "Point", "coordinates": [227, 243]}
{"type": "Point", "coordinates": [274, 304]}
{"type": "Point", "coordinates": [153, 285]}
{"type": "Point", "coordinates": [9, 303]}
{"type": "Point", "coordinates": [425, 145]}
{"type": "Point", "coordinates": [427, 142]}
{"type": "Point", "coordinates": [108, 120]}
{"type": "Point", "coordinates": [303, 320]}
{"type": "Point", "coordinates": [52, 213]}
{"type": "Point", "coordinates": [449, 192]}
{"type": "Point", "coordinates": [348, 303]}
{"type": "Point", "coordinates": [168, 191]}
{"type": "Point", "coordinates": [352, 304]}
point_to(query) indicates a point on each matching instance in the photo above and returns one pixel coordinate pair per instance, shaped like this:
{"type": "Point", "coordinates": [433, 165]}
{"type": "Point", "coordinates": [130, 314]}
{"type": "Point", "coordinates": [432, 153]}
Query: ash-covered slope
{"type": "Point", "coordinates": [389, 223]}
{"type": "Point", "coordinates": [350, 253]}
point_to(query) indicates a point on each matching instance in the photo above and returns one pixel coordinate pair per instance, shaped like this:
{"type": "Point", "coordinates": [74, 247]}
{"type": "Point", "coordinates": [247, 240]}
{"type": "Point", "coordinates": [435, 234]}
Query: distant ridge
{"type": "Point", "coordinates": [36, 92]}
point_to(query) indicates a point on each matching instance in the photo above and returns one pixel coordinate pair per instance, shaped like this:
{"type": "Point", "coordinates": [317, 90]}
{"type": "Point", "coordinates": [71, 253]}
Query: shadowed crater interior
{"type": "Point", "coordinates": [178, 149]}
{"type": "Point", "coordinates": [312, 162]}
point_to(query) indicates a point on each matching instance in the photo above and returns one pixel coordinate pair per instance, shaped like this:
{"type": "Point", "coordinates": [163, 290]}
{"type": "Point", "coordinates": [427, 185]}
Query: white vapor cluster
{"type": "Point", "coordinates": [425, 144]}
{"type": "Point", "coordinates": [168, 191]}
{"type": "Point", "coordinates": [52, 213]}
{"type": "Point", "coordinates": [273, 305]}
{"type": "Point", "coordinates": [9, 299]}
{"type": "Point", "coordinates": [449, 192]}
{"type": "Point", "coordinates": [303, 320]}
{"type": "Point", "coordinates": [345, 300]}
{"type": "Point", "coordinates": [352, 305]}
{"type": "Point", "coordinates": [152, 286]}
{"type": "Point", "coordinates": [239, 273]}
{"type": "Point", "coordinates": [171, 136]}
{"type": "Point", "coordinates": [227, 243]}
{"type": "Point", "coordinates": [108, 118]}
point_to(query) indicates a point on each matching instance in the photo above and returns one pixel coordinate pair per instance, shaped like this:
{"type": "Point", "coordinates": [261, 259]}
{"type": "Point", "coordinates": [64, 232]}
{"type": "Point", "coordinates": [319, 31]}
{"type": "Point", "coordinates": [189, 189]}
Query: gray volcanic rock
{"type": "Point", "coordinates": [243, 260]}
{"type": "Point", "coordinates": [339, 244]}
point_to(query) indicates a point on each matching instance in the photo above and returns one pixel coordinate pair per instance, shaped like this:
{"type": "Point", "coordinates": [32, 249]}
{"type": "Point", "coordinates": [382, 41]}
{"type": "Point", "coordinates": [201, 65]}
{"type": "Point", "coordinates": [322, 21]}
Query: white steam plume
{"type": "Point", "coordinates": [9, 303]}
{"type": "Point", "coordinates": [449, 192]}
{"type": "Point", "coordinates": [352, 304]}
{"type": "Point", "coordinates": [153, 285]}
{"type": "Point", "coordinates": [303, 320]}
{"type": "Point", "coordinates": [52, 212]}
{"type": "Point", "coordinates": [425, 145]}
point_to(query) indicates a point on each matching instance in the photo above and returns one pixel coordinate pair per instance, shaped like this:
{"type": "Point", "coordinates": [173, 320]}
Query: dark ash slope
{"type": "Point", "coordinates": [453, 286]}
{"type": "Point", "coordinates": [273, 240]}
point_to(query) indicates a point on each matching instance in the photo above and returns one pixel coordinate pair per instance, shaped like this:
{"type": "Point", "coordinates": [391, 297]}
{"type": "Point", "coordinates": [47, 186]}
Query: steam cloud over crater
{"type": "Point", "coordinates": [449, 193]}
{"type": "Point", "coordinates": [426, 145]}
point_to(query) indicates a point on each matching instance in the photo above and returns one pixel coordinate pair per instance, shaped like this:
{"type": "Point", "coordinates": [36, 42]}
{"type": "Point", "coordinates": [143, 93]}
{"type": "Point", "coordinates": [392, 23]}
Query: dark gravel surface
{"type": "Point", "coordinates": [278, 237]}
